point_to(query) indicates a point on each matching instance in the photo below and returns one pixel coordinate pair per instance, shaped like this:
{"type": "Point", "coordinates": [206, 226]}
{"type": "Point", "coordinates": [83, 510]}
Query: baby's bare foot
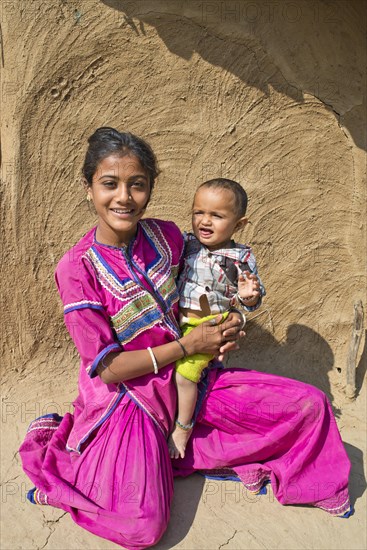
{"type": "Point", "coordinates": [177, 442]}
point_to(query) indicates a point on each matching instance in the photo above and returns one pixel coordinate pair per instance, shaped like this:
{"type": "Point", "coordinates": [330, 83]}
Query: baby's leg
{"type": "Point", "coordinates": [187, 395]}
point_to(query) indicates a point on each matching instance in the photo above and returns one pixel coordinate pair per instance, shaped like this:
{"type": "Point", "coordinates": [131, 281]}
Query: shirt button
{"type": "Point", "coordinates": [207, 289]}
{"type": "Point", "coordinates": [210, 254]}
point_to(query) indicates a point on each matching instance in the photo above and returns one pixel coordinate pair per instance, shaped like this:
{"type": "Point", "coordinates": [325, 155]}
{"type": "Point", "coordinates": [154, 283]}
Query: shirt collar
{"type": "Point", "coordinates": [234, 252]}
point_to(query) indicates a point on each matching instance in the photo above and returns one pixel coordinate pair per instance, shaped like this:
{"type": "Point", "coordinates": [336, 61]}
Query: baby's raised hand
{"type": "Point", "coordinates": [248, 286]}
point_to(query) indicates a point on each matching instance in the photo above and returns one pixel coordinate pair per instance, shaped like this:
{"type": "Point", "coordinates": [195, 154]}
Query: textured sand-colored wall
{"type": "Point", "coordinates": [267, 93]}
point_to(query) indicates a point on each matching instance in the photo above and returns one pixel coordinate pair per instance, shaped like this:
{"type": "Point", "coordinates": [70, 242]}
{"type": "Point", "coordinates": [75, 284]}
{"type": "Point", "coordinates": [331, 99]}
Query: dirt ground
{"type": "Point", "coordinates": [269, 93]}
{"type": "Point", "coordinates": [206, 515]}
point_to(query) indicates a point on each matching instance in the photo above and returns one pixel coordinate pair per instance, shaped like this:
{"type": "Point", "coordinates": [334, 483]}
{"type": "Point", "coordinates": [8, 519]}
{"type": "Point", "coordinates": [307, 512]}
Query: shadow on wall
{"type": "Point", "coordinates": [303, 355]}
{"type": "Point", "coordinates": [362, 367]}
{"type": "Point", "coordinates": [313, 60]}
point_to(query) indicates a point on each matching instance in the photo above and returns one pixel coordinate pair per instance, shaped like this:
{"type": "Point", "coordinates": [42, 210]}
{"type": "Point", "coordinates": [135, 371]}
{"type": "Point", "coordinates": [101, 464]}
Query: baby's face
{"type": "Point", "coordinates": [214, 217]}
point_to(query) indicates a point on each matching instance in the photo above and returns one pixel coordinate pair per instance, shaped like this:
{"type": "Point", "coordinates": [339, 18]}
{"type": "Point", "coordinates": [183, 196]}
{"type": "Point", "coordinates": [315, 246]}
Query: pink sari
{"type": "Point", "coordinates": [108, 463]}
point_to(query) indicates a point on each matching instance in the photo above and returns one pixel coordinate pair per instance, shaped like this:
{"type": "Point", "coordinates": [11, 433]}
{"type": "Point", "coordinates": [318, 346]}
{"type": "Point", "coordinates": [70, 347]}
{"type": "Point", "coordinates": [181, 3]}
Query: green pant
{"type": "Point", "coordinates": [192, 367]}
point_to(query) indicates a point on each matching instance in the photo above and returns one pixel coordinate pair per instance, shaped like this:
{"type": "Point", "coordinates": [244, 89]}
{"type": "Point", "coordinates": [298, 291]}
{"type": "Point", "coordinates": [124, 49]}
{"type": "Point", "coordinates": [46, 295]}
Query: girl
{"type": "Point", "coordinates": [108, 464]}
{"type": "Point", "coordinates": [217, 273]}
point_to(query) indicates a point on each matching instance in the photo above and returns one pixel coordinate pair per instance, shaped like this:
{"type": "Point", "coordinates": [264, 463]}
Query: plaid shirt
{"type": "Point", "coordinates": [214, 274]}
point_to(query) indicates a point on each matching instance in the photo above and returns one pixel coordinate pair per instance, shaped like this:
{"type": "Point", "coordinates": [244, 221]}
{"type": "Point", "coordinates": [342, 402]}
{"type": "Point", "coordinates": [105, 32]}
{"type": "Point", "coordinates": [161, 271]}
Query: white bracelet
{"type": "Point", "coordinates": [154, 360]}
{"type": "Point", "coordinates": [243, 300]}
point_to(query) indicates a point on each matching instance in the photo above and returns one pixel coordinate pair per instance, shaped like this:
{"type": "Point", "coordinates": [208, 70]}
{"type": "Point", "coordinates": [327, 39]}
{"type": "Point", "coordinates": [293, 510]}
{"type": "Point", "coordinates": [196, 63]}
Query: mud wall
{"type": "Point", "coordinates": [269, 93]}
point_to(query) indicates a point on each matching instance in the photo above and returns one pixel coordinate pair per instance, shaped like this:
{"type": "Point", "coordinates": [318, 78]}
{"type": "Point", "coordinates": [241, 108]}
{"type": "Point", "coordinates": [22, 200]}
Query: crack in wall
{"type": "Point", "coordinates": [257, 540]}
{"type": "Point", "coordinates": [50, 524]}
{"type": "Point", "coordinates": [228, 541]}
{"type": "Point", "coordinates": [8, 480]}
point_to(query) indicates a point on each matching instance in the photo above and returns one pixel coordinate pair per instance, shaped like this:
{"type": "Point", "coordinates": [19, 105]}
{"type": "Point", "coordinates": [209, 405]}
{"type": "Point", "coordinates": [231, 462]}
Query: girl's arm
{"type": "Point", "coordinates": [206, 338]}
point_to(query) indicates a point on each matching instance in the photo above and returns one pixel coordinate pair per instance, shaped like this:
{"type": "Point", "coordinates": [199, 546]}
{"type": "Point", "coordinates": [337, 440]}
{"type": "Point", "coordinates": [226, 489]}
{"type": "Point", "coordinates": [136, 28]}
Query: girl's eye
{"type": "Point", "coordinates": [139, 184]}
{"type": "Point", "coordinates": [109, 184]}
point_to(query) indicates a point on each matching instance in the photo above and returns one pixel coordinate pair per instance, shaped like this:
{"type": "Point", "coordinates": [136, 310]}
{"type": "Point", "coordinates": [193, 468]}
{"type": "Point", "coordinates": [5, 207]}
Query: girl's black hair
{"type": "Point", "coordinates": [240, 195]}
{"type": "Point", "coordinates": [107, 141]}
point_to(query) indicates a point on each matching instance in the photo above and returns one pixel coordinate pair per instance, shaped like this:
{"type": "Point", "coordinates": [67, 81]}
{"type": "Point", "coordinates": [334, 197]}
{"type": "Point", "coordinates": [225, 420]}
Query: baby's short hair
{"type": "Point", "coordinates": [238, 191]}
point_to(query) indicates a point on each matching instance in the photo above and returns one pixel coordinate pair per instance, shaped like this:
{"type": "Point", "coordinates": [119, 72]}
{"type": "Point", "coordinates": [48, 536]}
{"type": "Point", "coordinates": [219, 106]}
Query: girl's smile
{"type": "Point", "coordinates": [120, 192]}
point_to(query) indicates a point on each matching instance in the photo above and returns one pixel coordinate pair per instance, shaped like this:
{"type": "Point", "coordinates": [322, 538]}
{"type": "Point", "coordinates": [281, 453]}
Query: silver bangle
{"type": "Point", "coordinates": [154, 360]}
{"type": "Point", "coordinates": [241, 313]}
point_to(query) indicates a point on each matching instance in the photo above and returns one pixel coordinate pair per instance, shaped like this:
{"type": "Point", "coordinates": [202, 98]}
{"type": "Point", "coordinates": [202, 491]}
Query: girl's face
{"type": "Point", "coordinates": [214, 217]}
{"type": "Point", "coordinates": [120, 192]}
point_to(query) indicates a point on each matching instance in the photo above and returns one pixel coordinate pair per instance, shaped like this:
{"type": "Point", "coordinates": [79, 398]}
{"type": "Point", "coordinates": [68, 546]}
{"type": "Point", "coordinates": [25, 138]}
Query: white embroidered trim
{"type": "Point", "coordinates": [337, 508]}
{"type": "Point", "coordinates": [43, 428]}
{"type": "Point", "coordinates": [82, 302]}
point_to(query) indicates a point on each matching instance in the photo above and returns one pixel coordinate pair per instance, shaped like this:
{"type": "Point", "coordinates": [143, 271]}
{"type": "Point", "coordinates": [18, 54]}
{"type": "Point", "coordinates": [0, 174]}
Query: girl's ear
{"type": "Point", "coordinates": [241, 223]}
{"type": "Point", "coordinates": [84, 183]}
{"type": "Point", "coordinates": [86, 187]}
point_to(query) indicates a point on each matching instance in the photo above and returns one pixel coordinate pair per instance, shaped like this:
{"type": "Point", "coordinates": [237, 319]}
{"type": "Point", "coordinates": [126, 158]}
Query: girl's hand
{"type": "Point", "coordinates": [214, 337]}
{"type": "Point", "coordinates": [236, 334]}
{"type": "Point", "coordinates": [248, 286]}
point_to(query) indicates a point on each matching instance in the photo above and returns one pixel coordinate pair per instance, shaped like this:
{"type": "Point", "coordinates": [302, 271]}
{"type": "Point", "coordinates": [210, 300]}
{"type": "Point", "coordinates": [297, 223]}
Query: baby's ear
{"type": "Point", "coordinates": [241, 223]}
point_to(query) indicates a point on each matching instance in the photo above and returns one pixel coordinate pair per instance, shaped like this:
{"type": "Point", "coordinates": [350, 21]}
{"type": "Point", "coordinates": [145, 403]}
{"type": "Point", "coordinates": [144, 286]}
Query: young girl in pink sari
{"type": "Point", "coordinates": [108, 464]}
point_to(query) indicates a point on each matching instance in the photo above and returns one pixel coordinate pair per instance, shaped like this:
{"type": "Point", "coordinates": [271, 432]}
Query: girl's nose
{"type": "Point", "coordinates": [123, 193]}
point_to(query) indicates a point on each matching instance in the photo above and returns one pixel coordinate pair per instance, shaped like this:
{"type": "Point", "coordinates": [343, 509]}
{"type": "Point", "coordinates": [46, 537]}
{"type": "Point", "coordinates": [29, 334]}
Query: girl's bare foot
{"type": "Point", "coordinates": [177, 442]}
